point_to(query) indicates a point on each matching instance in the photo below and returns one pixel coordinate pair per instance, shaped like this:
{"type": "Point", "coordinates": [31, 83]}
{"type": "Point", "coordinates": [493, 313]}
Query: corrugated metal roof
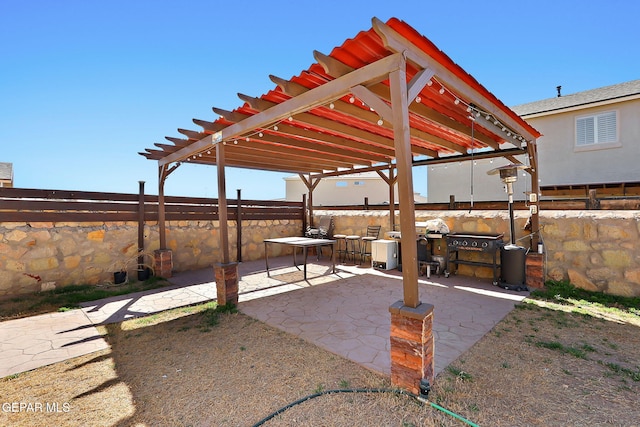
{"type": "Point", "coordinates": [327, 134]}
{"type": "Point", "coordinates": [585, 98]}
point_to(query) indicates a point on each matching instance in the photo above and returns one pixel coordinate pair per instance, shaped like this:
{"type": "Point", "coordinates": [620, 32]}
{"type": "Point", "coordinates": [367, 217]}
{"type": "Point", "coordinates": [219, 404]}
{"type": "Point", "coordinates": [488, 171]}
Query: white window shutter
{"type": "Point", "coordinates": [585, 131]}
{"type": "Point", "coordinates": [607, 127]}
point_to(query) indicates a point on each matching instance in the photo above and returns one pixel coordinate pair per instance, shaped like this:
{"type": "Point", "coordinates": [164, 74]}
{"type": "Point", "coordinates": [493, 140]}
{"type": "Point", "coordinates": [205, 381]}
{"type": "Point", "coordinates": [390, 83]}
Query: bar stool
{"type": "Point", "coordinates": [373, 231]}
{"type": "Point", "coordinates": [341, 246]}
{"type": "Point", "coordinates": [350, 247]}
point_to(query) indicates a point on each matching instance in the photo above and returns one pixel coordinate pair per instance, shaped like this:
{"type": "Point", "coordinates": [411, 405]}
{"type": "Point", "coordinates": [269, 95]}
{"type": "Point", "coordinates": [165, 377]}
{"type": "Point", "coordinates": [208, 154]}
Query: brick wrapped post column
{"type": "Point", "coordinates": [412, 346]}
{"type": "Point", "coordinates": [163, 262]}
{"type": "Point", "coordinates": [226, 283]}
{"type": "Point", "coordinates": [534, 267]}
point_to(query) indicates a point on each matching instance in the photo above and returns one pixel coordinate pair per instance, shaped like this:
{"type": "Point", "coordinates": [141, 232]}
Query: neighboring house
{"type": "Point", "coordinates": [345, 190]}
{"type": "Point", "coordinates": [590, 137]}
{"type": "Point", "coordinates": [6, 174]}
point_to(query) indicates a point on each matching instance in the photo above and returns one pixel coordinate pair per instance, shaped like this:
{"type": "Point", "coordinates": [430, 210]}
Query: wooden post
{"type": "Point", "coordinates": [304, 214]}
{"type": "Point", "coordinates": [592, 201]}
{"type": "Point", "coordinates": [392, 201]}
{"type": "Point", "coordinates": [404, 163]}
{"type": "Point", "coordinates": [163, 257]}
{"type": "Point", "coordinates": [452, 202]}
{"type": "Point", "coordinates": [311, 184]}
{"type": "Point", "coordinates": [162, 231]}
{"type": "Point", "coordinates": [391, 182]}
{"type": "Point", "coordinates": [222, 204]}
{"type": "Point", "coordinates": [534, 206]}
{"type": "Point", "coordinates": [239, 226]}
{"type": "Point", "coordinates": [140, 225]}
{"type": "Point", "coordinates": [366, 203]}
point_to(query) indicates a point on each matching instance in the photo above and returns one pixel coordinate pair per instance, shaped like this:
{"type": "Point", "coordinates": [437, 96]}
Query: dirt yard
{"type": "Point", "coordinates": [196, 367]}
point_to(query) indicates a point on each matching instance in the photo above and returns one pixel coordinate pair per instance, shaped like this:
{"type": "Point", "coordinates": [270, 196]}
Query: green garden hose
{"type": "Point", "coordinates": [364, 390]}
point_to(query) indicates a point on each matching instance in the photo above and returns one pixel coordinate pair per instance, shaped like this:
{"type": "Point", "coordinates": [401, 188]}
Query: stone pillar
{"type": "Point", "coordinates": [534, 268]}
{"type": "Point", "coordinates": [227, 283]}
{"type": "Point", "coordinates": [412, 346]}
{"type": "Point", "coordinates": [163, 260]}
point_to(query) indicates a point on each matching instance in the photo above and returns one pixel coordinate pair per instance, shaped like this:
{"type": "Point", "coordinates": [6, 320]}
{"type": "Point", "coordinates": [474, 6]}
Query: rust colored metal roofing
{"type": "Point", "coordinates": [325, 121]}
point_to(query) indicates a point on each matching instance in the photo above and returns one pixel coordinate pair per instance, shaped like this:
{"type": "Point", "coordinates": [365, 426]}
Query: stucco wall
{"type": "Point", "coordinates": [336, 191]}
{"type": "Point", "coordinates": [41, 256]}
{"type": "Point", "coordinates": [595, 250]}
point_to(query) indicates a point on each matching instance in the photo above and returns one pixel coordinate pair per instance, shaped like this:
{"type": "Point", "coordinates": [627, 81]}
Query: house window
{"type": "Point", "coordinates": [341, 183]}
{"type": "Point", "coordinates": [358, 183]}
{"type": "Point", "coordinates": [597, 129]}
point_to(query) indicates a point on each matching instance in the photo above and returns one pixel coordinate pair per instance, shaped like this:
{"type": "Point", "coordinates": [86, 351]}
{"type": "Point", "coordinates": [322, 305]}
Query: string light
{"type": "Point", "coordinates": [474, 110]}
{"type": "Point", "coordinates": [380, 122]}
{"type": "Point", "coordinates": [418, 99]}
{"type": "Point", "coordinates": [260, 134]}
{"type": "Point", "coordinates": [352, 99]}
{"type": "Point", "coordinates": [332, 106]}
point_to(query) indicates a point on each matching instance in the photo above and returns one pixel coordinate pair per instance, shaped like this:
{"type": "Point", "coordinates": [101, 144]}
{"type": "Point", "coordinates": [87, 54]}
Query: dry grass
{"type": "Point", "coordinates": [195, 367]}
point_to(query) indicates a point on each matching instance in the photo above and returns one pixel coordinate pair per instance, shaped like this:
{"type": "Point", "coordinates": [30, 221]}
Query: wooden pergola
{"type": "Point", "coordinates": [383, 101]}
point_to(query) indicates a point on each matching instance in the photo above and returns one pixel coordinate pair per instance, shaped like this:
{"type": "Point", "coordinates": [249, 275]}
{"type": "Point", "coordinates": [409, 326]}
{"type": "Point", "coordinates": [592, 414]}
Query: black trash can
{"type": "Point", "coordinates": [512, 267]}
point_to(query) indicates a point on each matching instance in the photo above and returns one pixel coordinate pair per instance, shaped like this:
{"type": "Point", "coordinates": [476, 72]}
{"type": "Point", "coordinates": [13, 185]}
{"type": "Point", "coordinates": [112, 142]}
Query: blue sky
{"type": "Point", "coordinates": [86, 85]}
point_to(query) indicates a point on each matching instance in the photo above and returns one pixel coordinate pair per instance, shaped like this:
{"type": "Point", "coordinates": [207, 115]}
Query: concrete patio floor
{"type": "Point", "coordinates": [345, 313]}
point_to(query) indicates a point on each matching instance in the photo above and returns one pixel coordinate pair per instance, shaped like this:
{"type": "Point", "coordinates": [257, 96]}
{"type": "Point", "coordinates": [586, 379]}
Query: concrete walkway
{"type": "Point", "coordinates": [345, 313]}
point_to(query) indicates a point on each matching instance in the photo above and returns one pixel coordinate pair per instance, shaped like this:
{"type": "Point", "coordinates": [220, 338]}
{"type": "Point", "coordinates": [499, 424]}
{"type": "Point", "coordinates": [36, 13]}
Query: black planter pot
{"type": "Point", "coordinates": [144, 274]}
{"type": "Point", "coordinates": [119, 277]}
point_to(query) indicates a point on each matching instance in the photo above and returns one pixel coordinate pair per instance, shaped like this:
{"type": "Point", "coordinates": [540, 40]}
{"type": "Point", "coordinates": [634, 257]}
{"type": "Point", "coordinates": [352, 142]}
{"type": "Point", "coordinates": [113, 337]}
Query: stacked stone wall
{"type": "Point", "coordinates": [594, 250]}
{"type": "Point", "coordinates": [42, 256]}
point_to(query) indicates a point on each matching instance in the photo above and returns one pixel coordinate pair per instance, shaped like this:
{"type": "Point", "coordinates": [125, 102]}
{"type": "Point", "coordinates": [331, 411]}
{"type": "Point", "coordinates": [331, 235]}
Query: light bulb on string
{"type": "Point", "coordinates": [380, 122]}
{"type": "Point", "coordinates": [441, 91]}
{"type": "Point", "coordinates": [457, 101]}
{"type": "Point", "coordinates": [332, 106]}
{"type": "Point", "coordinates": [260, 134]}
{"type": "Point", "coordinates": [429, 83]}
{"type": "Point", "coordinates": [418, 99]}
{"type": "Point", "coordinates": [352, 99]}
{"type": "Point", "coordinates": [235, 141]}
{"type": "Point", "coordinates": [275, 127]}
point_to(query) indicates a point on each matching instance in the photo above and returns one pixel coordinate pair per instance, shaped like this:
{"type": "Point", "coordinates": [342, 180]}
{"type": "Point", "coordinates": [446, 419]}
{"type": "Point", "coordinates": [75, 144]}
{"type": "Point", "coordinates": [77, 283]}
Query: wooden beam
{"type": "Point", "coordinates": [476, 156]}
{"type": "Point", "coordinates": [397, 43]}
{"type": "Point", "coordinates": [332, 90]}
{"type": "Point", "coordinates": [335, 68]}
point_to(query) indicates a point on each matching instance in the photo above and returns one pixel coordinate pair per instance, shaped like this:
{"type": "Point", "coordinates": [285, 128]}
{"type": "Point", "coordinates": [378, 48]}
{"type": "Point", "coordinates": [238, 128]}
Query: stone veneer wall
{"type": "Point", "coordinates": [594, 250]}
{"type": "Point", "coordinates": [42, 256]}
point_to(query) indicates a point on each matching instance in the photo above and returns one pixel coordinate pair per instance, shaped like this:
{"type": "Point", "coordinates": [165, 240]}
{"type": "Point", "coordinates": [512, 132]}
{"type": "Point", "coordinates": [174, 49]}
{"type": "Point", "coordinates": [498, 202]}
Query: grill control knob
{"type": "Point", "coordinates": [465, 243]}
{"type": "Point", "coordinates": [474, 243]}
{"type": "Point", "coordinates": [485, 244]}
